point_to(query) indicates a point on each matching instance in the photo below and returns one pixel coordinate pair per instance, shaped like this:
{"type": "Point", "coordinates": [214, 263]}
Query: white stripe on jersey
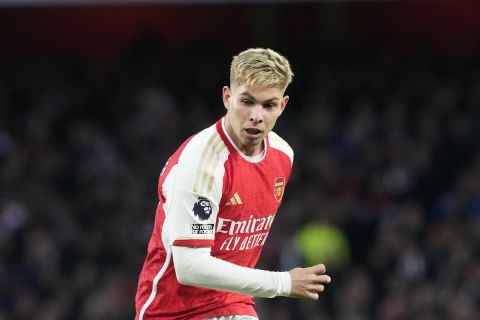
{"type": "Point", "coordinates": [277, 142]}
{"type": "Point", "coordinates": [155, 284]}
{"type": "Point", "coordinates": [209, 160]}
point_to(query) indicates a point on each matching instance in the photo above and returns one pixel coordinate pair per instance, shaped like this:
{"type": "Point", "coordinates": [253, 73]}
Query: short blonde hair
{"type": "Point", "coordinates": [260, 67]}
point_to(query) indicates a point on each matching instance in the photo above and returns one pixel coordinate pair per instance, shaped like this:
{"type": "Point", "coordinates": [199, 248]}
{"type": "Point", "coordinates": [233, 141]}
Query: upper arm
{"type": "Point", "coordinates": [193, 191]}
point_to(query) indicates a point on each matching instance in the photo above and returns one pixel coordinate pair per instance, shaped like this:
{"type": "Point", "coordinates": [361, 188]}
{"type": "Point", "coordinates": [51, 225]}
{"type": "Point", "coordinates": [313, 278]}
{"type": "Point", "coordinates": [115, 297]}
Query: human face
{"type": "Point", "coordinates": [251, 114]}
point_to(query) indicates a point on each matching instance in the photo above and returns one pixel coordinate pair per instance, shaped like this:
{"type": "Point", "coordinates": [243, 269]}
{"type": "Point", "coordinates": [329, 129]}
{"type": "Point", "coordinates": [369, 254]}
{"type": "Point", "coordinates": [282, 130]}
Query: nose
{"type": "Point", "coordinates": [256, 114]}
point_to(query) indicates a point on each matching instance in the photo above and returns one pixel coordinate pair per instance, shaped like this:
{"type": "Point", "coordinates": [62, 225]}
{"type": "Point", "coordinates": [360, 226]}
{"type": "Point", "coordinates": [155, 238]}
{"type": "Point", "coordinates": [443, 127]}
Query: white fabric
{"type": "Point", "coordinates": [198, 173]}
{"type": "Point", "coordinates": [196, 267]}
{"type": "Point", "coordinates": [278, 143]}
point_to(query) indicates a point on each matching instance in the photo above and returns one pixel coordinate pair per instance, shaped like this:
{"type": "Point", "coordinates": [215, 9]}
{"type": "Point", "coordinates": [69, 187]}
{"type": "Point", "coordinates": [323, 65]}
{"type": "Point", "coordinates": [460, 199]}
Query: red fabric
{"type": "Point", "coordinates": [193, 243]}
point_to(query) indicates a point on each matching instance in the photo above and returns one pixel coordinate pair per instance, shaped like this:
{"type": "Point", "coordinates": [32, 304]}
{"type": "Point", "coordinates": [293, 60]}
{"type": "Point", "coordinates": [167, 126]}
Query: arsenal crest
{"type": "Point", "coordinates": [278, 188]}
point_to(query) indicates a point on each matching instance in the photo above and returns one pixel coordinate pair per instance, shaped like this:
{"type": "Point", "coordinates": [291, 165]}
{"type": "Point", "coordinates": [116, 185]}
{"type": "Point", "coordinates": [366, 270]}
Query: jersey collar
{"type": "Point", "coordinates": [232, 147]}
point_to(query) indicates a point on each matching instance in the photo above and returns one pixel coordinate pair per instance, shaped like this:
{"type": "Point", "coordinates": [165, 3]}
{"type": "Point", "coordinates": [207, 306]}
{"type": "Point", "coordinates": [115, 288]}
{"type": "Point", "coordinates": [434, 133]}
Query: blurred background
{"type": "Point", "coordinates": [384, 117]}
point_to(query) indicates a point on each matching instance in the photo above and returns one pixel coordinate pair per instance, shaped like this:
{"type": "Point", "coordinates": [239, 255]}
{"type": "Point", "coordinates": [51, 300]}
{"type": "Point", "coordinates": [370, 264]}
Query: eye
{"type": "Point", "coordinates": [247, 102]}
{"type": "Point", "coordinates": [269, 105]}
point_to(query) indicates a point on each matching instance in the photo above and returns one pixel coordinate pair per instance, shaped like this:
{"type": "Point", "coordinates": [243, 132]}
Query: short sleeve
{"type": "Point", "coordinates": [193, 190]}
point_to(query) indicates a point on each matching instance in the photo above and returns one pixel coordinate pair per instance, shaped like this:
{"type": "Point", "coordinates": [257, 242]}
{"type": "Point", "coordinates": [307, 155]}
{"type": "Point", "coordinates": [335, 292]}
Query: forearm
{"type": "Point", "coordinates": [196, 267]}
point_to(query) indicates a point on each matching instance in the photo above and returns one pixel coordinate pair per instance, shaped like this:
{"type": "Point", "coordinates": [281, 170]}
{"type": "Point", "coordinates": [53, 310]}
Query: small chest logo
{"type": "Point", "coordinates": [202, 208]}
{"type": "Point", "coordinates": [235, 200]}
{"type": "Point", "coordinates": [278, 188]}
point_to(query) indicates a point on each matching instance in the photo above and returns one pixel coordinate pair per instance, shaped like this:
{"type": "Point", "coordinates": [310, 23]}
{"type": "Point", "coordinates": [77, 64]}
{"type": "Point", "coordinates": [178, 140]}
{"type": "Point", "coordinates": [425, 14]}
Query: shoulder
{"type": "Point", "coordinates": [206, 144]}
{"type": "Point", "coordinates": [276, 142]}
{"type": "Point", "coordinates": [200, 165]}
{"type": "Point", "coordinates": [196, 167]}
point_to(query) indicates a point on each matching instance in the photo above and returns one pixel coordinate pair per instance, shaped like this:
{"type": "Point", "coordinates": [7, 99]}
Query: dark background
{"type": "Point", "coordinates": [383, 117]}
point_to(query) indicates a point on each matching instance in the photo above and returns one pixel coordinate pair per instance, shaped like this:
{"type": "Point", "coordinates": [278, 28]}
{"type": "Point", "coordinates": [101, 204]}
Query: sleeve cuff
{"type": "Point", "coordinates": [193, 243]}
{"type": "Point", "coordinates": [285, 284]}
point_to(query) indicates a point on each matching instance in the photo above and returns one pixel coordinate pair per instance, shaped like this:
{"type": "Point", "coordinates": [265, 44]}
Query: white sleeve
{"type": "Point", "coordinates": [193, 189]}
{"type": "Point", "coordinates": [196, 267]}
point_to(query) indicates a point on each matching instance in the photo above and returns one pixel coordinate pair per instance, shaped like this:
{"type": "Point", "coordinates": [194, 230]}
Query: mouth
{"type": "Point", "coordinates": [253, 132]}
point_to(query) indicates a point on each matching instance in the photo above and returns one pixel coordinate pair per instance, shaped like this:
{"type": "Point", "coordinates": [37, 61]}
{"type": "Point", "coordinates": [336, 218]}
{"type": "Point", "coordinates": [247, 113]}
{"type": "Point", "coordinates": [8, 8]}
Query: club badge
{"type": "Point", "coordinates": [278, 188]}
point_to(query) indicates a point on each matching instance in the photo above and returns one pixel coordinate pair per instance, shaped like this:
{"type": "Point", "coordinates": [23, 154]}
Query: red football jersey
{"type": "Point", "coordinates": [211, 194]}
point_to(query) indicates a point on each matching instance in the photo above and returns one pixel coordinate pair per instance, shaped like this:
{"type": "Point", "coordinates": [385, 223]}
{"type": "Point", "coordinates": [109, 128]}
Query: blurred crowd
{"type": "Point", "coordinates": [385, 189]}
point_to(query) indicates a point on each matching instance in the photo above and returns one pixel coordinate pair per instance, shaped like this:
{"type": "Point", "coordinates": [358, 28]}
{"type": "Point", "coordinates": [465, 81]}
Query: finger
{"type": "Point", "coordinates": [316, 288]}
{"type": "Point", "coordinates": [318, 269]}
{"type": "Point", "coordinates": [312, 295]}
{"type": "Point", "coordinates": [323, 279]}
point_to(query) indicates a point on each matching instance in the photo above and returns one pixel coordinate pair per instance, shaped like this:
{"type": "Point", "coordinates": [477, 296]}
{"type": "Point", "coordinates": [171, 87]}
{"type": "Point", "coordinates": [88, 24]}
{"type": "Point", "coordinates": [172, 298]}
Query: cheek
{"type": "Point", "coordinates": [271, 120]}
{"type": "Point", "coordinates": [241, 112]}
{"type": "Point", "coordinates": [240, 116]}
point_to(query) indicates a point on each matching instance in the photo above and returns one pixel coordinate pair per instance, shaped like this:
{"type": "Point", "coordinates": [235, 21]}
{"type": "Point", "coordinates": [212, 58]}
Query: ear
{"type": "Point", "coordinates": [283, 103]}
{"type": "Point", "coordinates": [226, 95]}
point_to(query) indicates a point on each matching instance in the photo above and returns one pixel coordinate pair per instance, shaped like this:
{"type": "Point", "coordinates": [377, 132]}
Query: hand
{"type": "Point", "coordinates": [307, 282]}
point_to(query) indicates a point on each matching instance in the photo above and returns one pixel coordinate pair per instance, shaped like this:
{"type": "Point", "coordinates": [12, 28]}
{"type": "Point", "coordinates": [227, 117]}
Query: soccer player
{"type": "Point", "coordinates": [218, 196]}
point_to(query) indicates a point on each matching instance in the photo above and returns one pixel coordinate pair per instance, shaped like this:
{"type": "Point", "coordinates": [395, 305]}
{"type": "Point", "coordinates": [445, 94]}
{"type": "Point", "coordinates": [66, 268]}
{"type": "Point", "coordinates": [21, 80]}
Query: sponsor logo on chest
{"type": "Point", "coordinates": [244, 234]}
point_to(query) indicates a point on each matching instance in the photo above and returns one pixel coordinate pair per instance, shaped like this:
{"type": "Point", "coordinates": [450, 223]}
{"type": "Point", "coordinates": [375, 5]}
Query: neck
{"type": "Point", "coordinates": [246, 150]}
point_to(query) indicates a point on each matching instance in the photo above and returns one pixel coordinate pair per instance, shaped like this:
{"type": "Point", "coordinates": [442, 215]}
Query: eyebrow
{"type": "Point", "coordinates": [248, 95]}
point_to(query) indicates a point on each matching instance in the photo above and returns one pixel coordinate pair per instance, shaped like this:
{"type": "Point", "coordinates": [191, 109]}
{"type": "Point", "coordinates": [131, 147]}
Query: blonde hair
{"type": "Point", "coordinates": [260, 67]}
